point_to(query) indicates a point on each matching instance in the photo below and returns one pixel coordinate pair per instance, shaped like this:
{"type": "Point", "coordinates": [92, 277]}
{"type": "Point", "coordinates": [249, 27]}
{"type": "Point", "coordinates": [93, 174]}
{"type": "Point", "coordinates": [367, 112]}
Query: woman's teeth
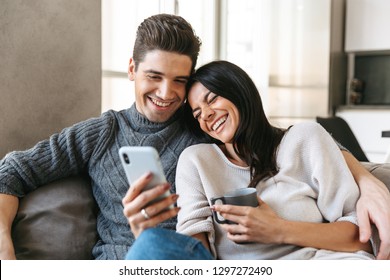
{"type": "Point", "coordinates": [219, 122]}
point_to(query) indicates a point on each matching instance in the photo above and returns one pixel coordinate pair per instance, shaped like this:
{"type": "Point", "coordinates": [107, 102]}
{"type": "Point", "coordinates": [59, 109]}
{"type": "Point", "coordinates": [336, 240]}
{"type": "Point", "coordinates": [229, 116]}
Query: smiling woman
{"type": "Point", "coordinates": [289, 169]}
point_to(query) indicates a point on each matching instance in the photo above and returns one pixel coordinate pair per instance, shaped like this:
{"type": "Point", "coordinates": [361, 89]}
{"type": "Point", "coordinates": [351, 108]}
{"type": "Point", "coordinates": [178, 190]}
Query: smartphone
{"type": "Point", "coordinates": [138, 160]}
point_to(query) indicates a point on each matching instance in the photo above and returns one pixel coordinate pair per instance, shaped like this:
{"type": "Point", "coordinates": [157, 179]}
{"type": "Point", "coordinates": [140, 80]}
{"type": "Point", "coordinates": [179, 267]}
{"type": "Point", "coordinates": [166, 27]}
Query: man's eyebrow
{"type": "Point", "coordinates": [151, 71]}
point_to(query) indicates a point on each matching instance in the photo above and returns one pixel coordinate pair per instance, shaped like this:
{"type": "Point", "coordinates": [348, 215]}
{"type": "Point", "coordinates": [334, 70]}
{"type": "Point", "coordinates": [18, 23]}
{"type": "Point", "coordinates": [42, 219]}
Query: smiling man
{"type": "Point", "coordinates": [164, 56]}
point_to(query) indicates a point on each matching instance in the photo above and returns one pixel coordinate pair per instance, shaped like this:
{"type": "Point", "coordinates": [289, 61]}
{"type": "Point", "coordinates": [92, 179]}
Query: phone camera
{"type": "Point", "coordinates": [126, 158]}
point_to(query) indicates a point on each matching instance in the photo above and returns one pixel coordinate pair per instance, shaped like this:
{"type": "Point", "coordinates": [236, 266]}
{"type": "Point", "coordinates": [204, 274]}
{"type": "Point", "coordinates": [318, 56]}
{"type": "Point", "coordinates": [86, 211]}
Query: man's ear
{"type": "Point", "coordinates": [131, 69]}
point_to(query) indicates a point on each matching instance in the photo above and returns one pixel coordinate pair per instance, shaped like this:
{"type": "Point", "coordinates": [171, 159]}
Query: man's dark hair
{"type": "Point", "coordinates": [166, 32]}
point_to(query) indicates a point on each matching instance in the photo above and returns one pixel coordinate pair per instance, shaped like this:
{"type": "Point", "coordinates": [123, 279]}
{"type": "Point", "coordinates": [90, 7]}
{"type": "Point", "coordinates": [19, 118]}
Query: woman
{"type": "Point", "coordinates": [308, 195]}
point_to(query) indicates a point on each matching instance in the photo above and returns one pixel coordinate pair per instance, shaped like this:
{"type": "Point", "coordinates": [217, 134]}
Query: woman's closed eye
{"type": "Point", "coordinates": [209, 99]}
{"type": "Point", "coordinates": [196, 114]}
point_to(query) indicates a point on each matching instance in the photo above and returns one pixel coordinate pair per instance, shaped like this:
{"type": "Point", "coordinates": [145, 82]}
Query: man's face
{"type": "Point", "coordinates": [160, 82]}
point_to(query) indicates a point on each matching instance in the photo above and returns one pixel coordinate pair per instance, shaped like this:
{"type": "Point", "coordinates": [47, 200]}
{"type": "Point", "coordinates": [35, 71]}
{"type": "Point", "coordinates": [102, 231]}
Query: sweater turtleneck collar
{"type": "Point", "coordinates": [142, 125]}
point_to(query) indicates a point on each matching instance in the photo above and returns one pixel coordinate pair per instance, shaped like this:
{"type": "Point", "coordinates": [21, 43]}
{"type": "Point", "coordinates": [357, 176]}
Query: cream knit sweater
{"type": "Point", "coordinates": [314, 184]}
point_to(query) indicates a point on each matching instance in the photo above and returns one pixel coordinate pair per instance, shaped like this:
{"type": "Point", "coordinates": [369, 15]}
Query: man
{"type": "Point", "coordinates": [164, 56]}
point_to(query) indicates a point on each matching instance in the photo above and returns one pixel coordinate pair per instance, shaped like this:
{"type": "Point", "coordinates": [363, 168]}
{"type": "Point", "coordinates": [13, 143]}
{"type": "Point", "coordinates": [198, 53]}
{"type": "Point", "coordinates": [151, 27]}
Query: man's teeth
{"type": "Point", "coordinates": [219, 122]}
{"type": "Point", "coordinates": [159, 103]}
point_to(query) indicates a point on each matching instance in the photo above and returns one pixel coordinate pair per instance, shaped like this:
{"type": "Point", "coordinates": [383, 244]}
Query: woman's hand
{"type": "Point", "coordinates": [263, 225]}
{"type": "Point", "coordinates": [260, 224]}
{"type": "Point", "coordinates": [140, 216]}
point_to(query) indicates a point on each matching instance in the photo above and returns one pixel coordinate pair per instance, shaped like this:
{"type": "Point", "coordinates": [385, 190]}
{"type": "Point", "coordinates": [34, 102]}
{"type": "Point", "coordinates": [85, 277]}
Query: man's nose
{"type": "Point", "coordinates": [166, 90]}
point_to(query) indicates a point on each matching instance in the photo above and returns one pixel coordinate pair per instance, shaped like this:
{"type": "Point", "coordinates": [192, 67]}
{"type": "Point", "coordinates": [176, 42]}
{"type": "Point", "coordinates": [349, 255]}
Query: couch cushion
{"type": "Point", "coordinates": [56, 221]}
{"type": "Point", "coordinates": [379, 170]}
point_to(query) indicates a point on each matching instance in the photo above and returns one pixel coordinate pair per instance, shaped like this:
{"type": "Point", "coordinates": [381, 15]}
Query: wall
{"type": "Point", "coordinates": [50, 71]}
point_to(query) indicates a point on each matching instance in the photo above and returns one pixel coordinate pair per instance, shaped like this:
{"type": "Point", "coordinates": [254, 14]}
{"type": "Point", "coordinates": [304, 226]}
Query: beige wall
{"type": "Point", "coordinates": [50, 68]}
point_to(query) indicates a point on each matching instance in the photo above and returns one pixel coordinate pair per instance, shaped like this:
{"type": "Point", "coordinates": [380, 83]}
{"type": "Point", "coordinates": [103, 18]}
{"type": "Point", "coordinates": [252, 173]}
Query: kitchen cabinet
{"type": "Point", "coordinates": [367, 24]}
{"type": "Point", "coordinates": [368, 47]}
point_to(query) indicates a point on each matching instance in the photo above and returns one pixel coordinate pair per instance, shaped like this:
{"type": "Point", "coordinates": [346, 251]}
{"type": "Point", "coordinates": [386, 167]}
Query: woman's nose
{"type": "Point", "coordinates": [207, 113]}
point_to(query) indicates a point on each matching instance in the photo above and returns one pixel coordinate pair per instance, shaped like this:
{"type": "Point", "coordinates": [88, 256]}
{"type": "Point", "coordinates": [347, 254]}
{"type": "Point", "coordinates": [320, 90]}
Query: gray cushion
{"type": "Point", "coordinates": [379, 170]}
{"type": "Point", "coordinates": [56, 221]}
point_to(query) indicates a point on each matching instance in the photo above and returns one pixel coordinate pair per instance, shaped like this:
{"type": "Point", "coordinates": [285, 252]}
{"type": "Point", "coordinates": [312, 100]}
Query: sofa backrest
{"type": "Point", "coordinates": [57, 221]}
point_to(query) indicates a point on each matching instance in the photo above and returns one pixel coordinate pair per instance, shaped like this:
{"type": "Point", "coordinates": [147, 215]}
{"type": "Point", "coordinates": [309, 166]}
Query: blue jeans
{"type": "Point", "coordinates": [163, 244]}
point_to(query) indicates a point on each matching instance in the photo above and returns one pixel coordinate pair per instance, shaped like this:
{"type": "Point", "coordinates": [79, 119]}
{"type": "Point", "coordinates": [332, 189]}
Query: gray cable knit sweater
{"type": "Point", "coordinates": [92, 146]}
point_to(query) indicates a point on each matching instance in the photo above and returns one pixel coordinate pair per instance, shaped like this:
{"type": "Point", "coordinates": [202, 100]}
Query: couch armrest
{"type": "Point", "coordinates": [56, 221]}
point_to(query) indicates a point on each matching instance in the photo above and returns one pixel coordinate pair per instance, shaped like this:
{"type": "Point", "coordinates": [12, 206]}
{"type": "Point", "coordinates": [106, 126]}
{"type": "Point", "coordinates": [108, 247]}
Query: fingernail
{"type": "Point", "coordinates": [175, 197]}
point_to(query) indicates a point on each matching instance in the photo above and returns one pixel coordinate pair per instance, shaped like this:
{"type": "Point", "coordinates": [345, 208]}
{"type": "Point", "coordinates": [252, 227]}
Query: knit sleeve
{"type": "Point", "coordinates": [329, 174]}
{"type": "Point", "coordinates": [331, 178]}
{"type": "Point", "coordinates": [195, 214]}
{"type": "Point", "coordinates": [63, 154]}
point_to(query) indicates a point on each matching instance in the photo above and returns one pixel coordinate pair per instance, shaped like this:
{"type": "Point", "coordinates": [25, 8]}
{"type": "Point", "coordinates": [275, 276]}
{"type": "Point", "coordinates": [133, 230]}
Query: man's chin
{"type": "Point", "coordinates": [159, 117]}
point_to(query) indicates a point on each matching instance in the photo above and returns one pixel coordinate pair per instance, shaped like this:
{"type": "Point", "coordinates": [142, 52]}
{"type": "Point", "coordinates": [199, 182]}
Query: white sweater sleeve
{"type": "Point", "coordinates": [329, 174]}
{"type": "Point", "coordinates": [195, 215]}
{"type": "Point", "coordinates": [337, 190]}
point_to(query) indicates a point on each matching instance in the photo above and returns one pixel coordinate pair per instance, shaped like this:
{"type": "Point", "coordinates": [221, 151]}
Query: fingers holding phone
{"type": "Point", "coordinates": [141, 213]}
{"type": "Point", "coordinates": [148, 201]}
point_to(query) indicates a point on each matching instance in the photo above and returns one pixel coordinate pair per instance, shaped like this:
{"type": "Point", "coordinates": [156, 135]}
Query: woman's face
{"type": "Point", "coordinates": [217, 116]}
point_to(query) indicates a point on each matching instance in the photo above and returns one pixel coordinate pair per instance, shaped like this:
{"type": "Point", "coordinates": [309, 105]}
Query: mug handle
{"type": "Point", "coordinates": [215, 214]}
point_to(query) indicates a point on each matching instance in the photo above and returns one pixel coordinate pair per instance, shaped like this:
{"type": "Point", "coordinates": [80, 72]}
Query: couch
{"type": "Point", "coordinates": [58, 220]}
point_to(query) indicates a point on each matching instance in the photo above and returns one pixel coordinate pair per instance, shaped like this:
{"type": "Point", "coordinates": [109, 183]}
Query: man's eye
{"type": "Point", "coordinates": [154, 77]}
{"type": "Point", "coordinates": [181, 81]}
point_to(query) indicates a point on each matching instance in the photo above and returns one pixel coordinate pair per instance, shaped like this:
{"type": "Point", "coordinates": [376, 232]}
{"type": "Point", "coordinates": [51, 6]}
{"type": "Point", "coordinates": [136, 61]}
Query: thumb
{"type": "Point", "coordinates": [260, 201]}
{"type": "Point", "coordinates": [364, 226]}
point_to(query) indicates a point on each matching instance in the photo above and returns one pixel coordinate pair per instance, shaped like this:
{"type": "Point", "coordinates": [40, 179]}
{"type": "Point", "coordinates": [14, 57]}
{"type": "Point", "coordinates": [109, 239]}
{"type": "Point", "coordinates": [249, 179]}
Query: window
{"type": "Point", "coordinates": [120, 19]}
{"type": "Point", "coordinates": [282, 44]}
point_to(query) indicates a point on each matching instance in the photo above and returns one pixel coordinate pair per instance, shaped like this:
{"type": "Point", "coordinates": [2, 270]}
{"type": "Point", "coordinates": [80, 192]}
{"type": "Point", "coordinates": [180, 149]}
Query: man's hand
{"type": "Point", "coordinates": [140, 216]}
{"type": "Point", "coordinates": [6, 247]}
{"type": "Point", "coordinates": [8, 207]}
{"type": "Point", "coordinates": [374, 207]}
